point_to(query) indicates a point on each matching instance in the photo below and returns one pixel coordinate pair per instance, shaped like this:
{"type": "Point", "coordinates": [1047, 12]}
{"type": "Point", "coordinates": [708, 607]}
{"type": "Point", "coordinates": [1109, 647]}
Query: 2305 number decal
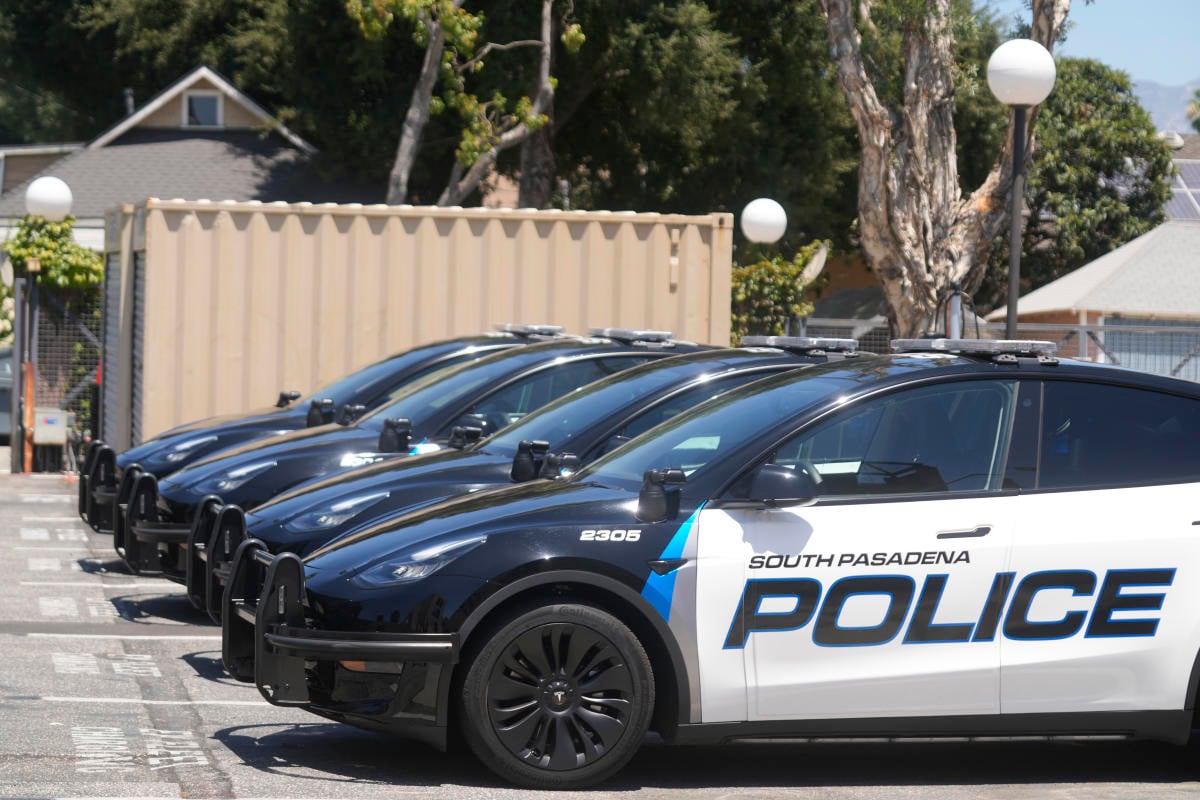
{"type": "Point", "coordinates": [606, 535]}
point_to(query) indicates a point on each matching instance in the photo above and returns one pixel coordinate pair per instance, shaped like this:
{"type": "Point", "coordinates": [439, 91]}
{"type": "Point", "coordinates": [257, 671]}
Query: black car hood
{"type": "Point", "coordinates": [227, 432]}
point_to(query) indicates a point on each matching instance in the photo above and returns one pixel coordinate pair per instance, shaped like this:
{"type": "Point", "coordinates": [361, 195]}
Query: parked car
{"type": "Point", "coordinates": [961, 539]}
{"type": "Point", "coordinates": [451, 407]}
{"type": "Point", "coordinates": [571, 431]}
{"type": "Point", "coordinates": [6, 385]}
{"type": "Point", "coordinates": [356, 393]}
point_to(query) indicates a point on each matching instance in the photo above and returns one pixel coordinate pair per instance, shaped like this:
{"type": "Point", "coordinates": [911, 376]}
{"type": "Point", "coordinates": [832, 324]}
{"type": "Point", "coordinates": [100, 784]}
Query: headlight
{"type": "Point", "coordinates": [330, 516]}
{"type": "Point", "coordinates": [180, 451]}
{"type": "Point", "coordinates": [413, 565]}
{"type": "Point", "coordinates": [235, 477]}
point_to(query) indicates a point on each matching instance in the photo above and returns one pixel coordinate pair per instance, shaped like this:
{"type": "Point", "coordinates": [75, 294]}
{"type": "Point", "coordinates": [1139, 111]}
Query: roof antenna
{"type": "Point", "coordinates": [128, 101]}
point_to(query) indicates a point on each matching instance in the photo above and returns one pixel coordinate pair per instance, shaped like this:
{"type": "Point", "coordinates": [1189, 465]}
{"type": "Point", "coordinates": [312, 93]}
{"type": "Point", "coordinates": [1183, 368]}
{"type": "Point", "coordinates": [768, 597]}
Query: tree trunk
{"type": "Point", "coordinates": [460, 185]}
{"type": "Point", "coordinates": [417, 116]}
{"type": "Point", "coordinates": [919, 234]}
{"type": "Point", "coordinates": [537, 170]}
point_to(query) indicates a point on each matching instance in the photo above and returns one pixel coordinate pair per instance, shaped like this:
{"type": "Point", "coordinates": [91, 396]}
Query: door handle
{"type": "Point", "coordinates": [981, 530]}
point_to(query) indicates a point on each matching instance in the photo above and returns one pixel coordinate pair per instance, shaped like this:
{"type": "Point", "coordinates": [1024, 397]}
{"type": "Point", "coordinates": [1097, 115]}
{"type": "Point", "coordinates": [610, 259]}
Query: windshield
{"type": "Point", "coordinates": [571, 414]}
{"type": "Point", "coordinates": [368, 383]}
{"type": "Point", "coordinates": [693, 440]}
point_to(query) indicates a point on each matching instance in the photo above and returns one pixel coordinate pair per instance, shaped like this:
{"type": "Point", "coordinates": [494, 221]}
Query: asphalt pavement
{"type": "Point", "coordinates": [111, 686]}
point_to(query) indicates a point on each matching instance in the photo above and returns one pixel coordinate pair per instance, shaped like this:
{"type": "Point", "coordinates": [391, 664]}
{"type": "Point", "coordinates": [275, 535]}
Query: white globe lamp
{"type": "Point", "coordinates": [1021, 73]}
{"type": "Point", "coordinates": [50, 198]}
{"type": "Point", "coordinates": [763, 220]}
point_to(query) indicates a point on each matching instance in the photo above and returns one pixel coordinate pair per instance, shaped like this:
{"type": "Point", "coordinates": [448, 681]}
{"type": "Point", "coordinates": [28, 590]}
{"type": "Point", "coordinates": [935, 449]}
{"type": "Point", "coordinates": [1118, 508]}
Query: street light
{"type": "Point", "coordinates": [49, 198]}
{"type": "Point", "coordinates": [763, 220]}
{"type": "Point", "coordinates": [1020, 74]}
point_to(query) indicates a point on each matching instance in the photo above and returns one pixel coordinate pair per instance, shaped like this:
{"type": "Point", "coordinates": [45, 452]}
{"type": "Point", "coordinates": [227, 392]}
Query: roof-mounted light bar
{"type": "Point", "coordinates": [629, 335]}
{"type": "Point", "coordinates": [992, 347]}
{"type": "Point", "coordinates": [530, 330]}
{"type": "Point", "coordinates": [802, 344]}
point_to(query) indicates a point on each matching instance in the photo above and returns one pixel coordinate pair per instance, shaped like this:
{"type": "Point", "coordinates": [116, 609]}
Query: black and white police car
{"type": "Point", "coordinates": [453, 406]}
{"type": "Point", "coordinates": [964, 538]}
{"type": "Point", "coordinates": [560, 437]}
{"type": "Point", "coordinates": [357, 393]}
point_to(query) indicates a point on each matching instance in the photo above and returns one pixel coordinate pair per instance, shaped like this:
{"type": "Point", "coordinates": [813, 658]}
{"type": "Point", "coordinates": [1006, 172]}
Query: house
{"type": "Point", "coordinates": [198, 139]}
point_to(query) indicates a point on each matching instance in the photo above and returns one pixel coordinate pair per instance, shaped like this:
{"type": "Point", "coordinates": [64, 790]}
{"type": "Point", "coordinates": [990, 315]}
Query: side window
{"type": "Point", "coordinates": [534, 391]}
{"type": "Point", "coordinates": [1096, 435]}
{"type": "Point", "coordinates": [944, 438]}
{"type": "Point", "coordinates": [681, 402]}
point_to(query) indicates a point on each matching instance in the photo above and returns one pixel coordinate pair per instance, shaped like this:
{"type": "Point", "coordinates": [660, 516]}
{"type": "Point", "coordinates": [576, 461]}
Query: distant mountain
{"type": "Point", "coordinates": [1167, 105]}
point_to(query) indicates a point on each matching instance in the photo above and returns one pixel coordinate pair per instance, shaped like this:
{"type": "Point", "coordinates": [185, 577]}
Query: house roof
{"type": "Point", "coordinates": [211, 165]}
{"type": "Point", "coordinates": [200, 75]}
{"type": "Point", "coordinates": [1154, 276]}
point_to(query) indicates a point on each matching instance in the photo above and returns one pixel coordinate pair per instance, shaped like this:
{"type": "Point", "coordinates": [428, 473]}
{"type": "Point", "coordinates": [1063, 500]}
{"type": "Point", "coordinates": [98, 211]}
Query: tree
{"type": "Point", "coordinates": [919, 233]}
{"type": "Point", "coordinates": [1100, 178]}
{"type": "Point", "coordinates": [1193, 111]}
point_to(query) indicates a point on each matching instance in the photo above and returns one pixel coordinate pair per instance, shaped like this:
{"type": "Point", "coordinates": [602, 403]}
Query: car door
{"type": "Point", "coordinates": [1106, 555]}
{"type": "Point", "coordinates": [876, 599]}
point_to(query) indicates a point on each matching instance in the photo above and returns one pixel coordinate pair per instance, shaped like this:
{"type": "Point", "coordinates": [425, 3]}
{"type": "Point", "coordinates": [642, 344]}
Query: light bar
{"type": "Point", "coordinates": [631, 335]}
{"type": "Point", "coordinates": [530, 330]}
{"type": "Point", "coordinates": [1022, 347]}
{"type": "Point", "coordinates": [802, 343]}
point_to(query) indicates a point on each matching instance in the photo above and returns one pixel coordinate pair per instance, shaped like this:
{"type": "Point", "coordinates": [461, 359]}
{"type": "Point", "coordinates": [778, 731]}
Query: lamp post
{"type": "Point", "coordinates": [49, 198]}
{"type": "Point", "coordinates": [763, 220]}
{"type": "Point", "coordinates": [1020, 74]}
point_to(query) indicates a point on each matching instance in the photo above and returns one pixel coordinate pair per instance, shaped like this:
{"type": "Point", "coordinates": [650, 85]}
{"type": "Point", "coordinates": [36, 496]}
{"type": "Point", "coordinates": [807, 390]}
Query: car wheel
{"type": "Point", "coordinates": [558, 698]}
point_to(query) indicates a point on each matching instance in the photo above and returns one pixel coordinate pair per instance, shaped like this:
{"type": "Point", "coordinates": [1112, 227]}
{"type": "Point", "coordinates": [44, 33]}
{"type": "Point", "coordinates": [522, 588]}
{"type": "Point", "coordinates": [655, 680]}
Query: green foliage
{"type": "Point", "coordinates": [66, 266]}
{"type": "Point", "coordinates": [1193, 111]}
{"type": "Point", "coordinates": [769, 293]}
{"type": "Point", "coordinates": [1100, 178]}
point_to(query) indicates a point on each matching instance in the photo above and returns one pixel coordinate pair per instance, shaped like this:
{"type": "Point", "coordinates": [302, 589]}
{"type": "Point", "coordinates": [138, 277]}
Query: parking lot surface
{"type": "Point", "coordinates": [111, 686]}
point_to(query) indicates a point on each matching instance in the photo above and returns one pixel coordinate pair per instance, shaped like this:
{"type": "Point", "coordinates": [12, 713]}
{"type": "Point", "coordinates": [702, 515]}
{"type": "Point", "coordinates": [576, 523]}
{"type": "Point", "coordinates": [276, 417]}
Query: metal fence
{"type": "Point", "coordinates": [1161, 348]}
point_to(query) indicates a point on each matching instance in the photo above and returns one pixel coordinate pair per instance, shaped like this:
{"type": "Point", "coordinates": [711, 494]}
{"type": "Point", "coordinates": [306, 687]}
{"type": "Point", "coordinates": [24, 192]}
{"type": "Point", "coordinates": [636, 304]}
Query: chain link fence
{"type": "Point", "coordinates": [68, 343]}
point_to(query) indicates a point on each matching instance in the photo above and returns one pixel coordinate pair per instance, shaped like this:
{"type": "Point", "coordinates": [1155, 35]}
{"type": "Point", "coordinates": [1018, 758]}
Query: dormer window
{"type": "Point", "coordinates": [203, 109]}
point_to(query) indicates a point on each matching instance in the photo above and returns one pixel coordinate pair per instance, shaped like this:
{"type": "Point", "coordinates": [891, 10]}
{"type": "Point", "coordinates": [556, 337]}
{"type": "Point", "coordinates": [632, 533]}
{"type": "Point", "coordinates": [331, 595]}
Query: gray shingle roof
{"type": "Point", "coordinates": [1155, 275]}
{"type": "Point", "coordinates": [218, 165]}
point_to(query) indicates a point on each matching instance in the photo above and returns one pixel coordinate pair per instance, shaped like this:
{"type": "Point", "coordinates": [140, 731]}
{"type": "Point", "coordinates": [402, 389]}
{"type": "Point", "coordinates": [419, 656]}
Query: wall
{"type": "Point", "coordinates": [243, 300]}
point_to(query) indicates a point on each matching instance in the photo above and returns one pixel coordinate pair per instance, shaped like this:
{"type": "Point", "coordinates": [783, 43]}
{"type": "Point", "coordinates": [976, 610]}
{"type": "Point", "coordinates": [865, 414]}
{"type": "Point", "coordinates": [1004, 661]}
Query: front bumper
{"type": "Point", "coordinates": [393, 681]}
{"type": "Point", "coordinates": [213, 539]}
{"type": "Point", "coordinates": [147, 543]}
{"type": "Point", "coordinates": [98, 487]}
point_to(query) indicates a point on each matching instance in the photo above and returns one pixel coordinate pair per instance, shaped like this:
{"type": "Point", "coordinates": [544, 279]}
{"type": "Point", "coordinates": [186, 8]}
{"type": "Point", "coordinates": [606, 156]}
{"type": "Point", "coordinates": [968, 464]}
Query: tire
{"type": "Point", "coordinates": [558, 698]}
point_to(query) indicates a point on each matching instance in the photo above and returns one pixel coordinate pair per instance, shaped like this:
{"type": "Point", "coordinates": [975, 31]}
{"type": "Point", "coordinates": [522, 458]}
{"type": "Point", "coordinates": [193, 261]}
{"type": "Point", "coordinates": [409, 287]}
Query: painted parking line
{"type": "Point", "coordinates": [107, 749]}
{"type": "Point", "coordinates": [122, 637]}
{"type": "Point", "coordinates": [176, 588]}
{"type": "Point", "coordinates": [50, 519]}
{"type": "Point", "coordinates": [135, 701]}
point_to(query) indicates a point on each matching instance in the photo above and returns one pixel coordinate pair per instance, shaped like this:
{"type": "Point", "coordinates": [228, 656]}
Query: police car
{"type": "Point", "coordinates": [361, 391]}
{"type": "Point", "coordinates": [573, 430]}
{"type": "Point", "coordinates": [964, 538]}
{"type": "Point", "coordinates": [451, 407]}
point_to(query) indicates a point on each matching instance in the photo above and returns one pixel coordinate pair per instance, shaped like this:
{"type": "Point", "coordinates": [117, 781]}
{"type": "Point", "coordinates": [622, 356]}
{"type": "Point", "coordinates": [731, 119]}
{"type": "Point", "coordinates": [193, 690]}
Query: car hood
{"type": "Point", "coordinates": [209, 439]}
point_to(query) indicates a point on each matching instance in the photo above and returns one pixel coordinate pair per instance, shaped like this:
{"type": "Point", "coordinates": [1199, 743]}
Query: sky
{"type": "Point", "coordinates": [1152, 40]}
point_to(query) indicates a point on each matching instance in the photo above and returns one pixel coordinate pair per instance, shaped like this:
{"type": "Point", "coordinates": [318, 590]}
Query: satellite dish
{"type": "Point", "coordinates": [814, 267]}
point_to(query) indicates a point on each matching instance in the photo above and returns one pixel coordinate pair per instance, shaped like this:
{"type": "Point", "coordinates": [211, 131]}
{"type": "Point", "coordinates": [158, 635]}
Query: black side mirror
{"type": "Point", "coordinates": [462, 436]}
{"type": "Point", "coordinates": [560, 465]}
{"type": "Point", "coordinates": [350, 412]}
{"type": "Point", "coordinates": [320, 412]}
{"type": "Point", "coordinates": [658, 500]}
{"type": "Point", "coordinates": [527, 461]}
{"type": "Point", "coordinates": [773, 486]}
{"type": "Point", "coordinates": [287, 398]}
{"type": "Point", "coordinates": [396, 435]}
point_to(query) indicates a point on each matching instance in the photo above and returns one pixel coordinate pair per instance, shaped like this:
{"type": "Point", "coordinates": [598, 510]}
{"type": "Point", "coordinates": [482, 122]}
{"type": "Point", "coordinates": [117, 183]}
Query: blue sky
{"type": "Point", "coordinates": [1152, 40]}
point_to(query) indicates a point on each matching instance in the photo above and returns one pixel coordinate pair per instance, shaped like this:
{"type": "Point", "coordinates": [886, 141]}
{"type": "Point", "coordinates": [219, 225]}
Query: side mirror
{"type": "Point", "coordinates": [527, 461]}
{"type": "Point", "coordinates": [462, 436]}
{"type": "Point", "coordinates": [350, 412]}
{"type": "Point", "coordinates": [560, 465]}
{"type": "Point", "coordinates": [287, 398]}
{"type": "Point", "coordinates": [658, 500]}
{"type": "Point", "coordinates": [396, 435]}
{"type": "Point", "coordinates": [320, 412]}
{"type": "Point", "coordinates": [773, 486]}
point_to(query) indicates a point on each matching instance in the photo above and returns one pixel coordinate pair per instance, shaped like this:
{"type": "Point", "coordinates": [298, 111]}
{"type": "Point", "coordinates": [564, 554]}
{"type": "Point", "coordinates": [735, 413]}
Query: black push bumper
{"type": "Point", "coordinates": [147, 544]}
{"type": "Point", "coordinates": [217, 531]}
{"type": "Point", "coordinates": [265, 636]}
{"type": "Point", "coordinates": [98, 487]}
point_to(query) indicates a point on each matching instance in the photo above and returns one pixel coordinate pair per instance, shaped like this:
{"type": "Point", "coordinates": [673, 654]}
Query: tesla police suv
{"type": "Point", "coordinates": [559, 437]}
{"type": "Point", "coordinates": [963, 538]}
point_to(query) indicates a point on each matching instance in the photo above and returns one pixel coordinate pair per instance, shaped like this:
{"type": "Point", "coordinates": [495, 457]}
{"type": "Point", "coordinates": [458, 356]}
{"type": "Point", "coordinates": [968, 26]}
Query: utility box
{"type": "Point", "coordinates": [50, 425]}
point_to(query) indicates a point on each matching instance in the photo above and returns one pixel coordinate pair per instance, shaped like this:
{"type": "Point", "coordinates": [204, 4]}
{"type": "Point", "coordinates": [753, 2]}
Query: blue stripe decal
{"type": "Point", "coordinates": [661, 588]}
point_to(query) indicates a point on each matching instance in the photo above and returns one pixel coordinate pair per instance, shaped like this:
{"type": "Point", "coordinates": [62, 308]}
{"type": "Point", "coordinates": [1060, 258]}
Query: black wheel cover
{"type": "Point", "coordinates": [560, 696]}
